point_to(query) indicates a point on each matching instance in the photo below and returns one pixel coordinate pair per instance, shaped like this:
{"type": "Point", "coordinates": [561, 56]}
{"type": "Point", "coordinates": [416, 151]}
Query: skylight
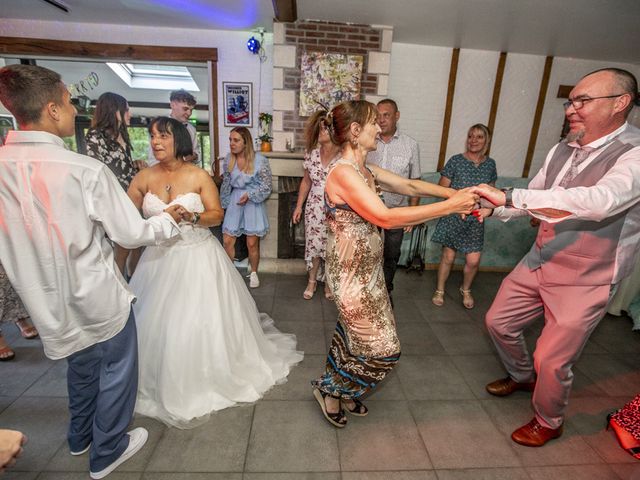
{"type": "Point", "coordinates": [159, 77]}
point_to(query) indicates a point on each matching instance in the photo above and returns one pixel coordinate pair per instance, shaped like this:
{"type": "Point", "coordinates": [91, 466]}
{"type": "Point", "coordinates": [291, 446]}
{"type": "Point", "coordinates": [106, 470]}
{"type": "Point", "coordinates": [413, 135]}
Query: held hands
{"type": "Point", "coordinates": [463, 201]}
{"type": "Point", "coordinates": [243, 199]}
{"type": "Point", "coordinates": [491, 197]}
{"type": "Point", "coordinates": [11, 442]}
{"type": "Point", "coordinates": [177, 212]}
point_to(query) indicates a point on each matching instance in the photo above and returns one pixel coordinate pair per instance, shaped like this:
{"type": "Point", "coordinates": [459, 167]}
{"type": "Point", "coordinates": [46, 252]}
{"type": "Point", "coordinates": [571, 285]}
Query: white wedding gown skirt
{"type": "Point", "coordinates": [203, 345]}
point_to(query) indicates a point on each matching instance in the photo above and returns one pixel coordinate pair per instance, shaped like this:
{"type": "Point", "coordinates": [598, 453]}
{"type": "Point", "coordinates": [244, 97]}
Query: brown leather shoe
{"type": "Point", "coordinates": [506, 386]}
{"type": "Point", "coordinates": [535, 435]}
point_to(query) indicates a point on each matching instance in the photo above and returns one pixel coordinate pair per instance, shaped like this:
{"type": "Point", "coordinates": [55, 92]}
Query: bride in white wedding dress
{"type": "Point", "coordinates": [203, 345]}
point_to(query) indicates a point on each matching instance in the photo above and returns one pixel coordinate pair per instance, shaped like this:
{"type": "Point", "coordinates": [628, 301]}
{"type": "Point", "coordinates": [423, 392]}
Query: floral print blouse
{"type": "Point", "coordinates": [104, 148]}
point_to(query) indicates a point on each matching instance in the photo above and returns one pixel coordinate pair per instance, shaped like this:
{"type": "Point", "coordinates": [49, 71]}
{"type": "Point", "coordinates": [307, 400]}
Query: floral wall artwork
{"type": "Point", "coordinates": [327, 79]}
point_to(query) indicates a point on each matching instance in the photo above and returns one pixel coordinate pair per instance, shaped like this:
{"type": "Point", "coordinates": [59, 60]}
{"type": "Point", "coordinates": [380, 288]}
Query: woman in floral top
{"type": "Point", "coordinates": [108, 141]}
{"type": "Point", "coordinates": [320, 152]}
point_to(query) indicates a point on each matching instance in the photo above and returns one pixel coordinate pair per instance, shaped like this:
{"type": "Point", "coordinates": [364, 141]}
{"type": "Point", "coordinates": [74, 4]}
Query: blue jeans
{"type": "Point", "coordinates": [102, 381]}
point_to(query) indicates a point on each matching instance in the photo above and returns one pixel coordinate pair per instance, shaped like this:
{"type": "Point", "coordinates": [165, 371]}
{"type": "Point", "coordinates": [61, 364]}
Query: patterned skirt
{"type": "Point", "coordinates": [348, 376]}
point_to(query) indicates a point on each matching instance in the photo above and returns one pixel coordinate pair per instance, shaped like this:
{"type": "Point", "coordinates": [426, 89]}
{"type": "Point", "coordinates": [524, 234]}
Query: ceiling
{"type": "Point", "coordinates": [593, 29]}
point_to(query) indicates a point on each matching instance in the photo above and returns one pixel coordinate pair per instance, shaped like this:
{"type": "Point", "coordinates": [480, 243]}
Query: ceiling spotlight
{"type": "Point", "coordinates": [253, 45]}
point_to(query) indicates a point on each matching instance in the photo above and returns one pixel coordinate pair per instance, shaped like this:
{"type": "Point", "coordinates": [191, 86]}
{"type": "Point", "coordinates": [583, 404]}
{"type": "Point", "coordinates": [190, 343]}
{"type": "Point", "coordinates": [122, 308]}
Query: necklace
{"type": "Point", "coordinates": [167, 187]}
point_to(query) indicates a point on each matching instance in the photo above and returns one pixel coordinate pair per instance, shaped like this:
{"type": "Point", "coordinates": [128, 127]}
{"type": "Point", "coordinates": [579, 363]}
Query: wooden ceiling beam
{"type": "Point", "coordinates": [285, 10]}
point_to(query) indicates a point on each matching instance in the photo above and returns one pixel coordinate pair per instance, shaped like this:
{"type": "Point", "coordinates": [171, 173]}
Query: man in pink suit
{"type": "Point", "coordinates": [587, 198]}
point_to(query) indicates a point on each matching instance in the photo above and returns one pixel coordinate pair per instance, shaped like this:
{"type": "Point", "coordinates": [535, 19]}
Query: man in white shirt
{"type": "Point", "coordinates": [56, 210]}
{"type": "Point", "coordinates": [399, 154]}
{"type": "Point", "coordinates": [182, 104]}
{"type": "Point", "coordinates": [587, 197]}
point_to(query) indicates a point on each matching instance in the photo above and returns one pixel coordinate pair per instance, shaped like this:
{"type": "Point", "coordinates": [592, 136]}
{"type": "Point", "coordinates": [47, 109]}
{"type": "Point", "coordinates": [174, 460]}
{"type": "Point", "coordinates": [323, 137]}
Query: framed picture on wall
{"type": "Point", "coordinates": [238, 104]}
{"type": "Point", "coordinates": [7, 123]}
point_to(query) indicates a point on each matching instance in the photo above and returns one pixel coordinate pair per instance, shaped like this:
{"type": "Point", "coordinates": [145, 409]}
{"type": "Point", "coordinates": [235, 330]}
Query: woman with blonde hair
{"type": "Point", "coordinates": [465, 235]}
{"type": "Point", "coordinates": [245, 186]}
{"type": "Point", "coordinates": [320, 152]}
{"type": "Point", "coordinates": [365, 345]}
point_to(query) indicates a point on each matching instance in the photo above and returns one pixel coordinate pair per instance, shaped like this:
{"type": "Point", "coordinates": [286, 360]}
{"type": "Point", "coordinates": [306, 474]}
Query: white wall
{"type": "Point", "coordinates": [418, 82]}
{"type": "Point", "coordinates": [235, 62]}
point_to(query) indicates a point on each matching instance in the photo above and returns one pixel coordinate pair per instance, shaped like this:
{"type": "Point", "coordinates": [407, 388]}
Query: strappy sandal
{"type": "Point", "coordinates": [29, 332]}
{"type": "Point", "coordinates": [467, 298]}
{"type": "Point", "coordinates": [438, 298]}
{"type": "Point", "coordinates": [327, 292]}
{"type": "Point", "coordinates": [310, 290]}
{"type": "Point", "coordinates": [359, 408]}
{"type": "Point", "coordinates": [339, 419]}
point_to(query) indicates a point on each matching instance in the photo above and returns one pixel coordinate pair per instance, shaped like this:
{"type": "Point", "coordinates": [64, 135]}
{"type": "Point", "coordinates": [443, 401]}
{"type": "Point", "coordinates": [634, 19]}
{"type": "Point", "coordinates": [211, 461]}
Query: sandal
{"type": "Point", "coordinates": [310, 290]}
{"type": "Point", "coordinates": [339, 419]}
{"type": "Point", "coordinates": [327, 292]}
{"type": "Point", "coordinates": [438, 298]}
{"type": "Point", "coordinates": [467, 299]}
{"type": "Point", "coordinates": [359, 408]}
{"type": "Point", "coordinates": [29, 332]}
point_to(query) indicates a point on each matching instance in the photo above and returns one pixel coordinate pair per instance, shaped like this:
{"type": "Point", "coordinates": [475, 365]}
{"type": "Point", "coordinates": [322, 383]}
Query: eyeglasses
{"type": "Point", "coordinates": [578, 103]}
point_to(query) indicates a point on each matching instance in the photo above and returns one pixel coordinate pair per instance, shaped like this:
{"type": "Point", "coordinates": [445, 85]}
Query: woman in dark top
{"type": "Point", "coordinates": [108, 141]}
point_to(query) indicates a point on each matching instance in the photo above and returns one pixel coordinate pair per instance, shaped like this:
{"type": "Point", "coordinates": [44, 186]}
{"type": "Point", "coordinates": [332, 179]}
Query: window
{"type": "Point", "coordinates": [159, 77]}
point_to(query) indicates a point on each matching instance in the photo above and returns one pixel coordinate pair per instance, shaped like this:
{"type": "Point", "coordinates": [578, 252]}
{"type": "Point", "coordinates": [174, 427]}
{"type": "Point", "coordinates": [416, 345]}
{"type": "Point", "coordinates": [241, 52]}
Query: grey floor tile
{"type": "Point", "coordinates": [191, 476]}
{"type": "Point", "coordinates": [52, 384]}
{"type": "Point", "coordinates": [390, 389]}
{"type": "Point", "coordinates": [392, 440]}
{"type": "Point", "coordinates": [13, 474]}
{"type": "Point", "coordinates": [293, 476]}
{"type": "Point", "coordinates": [291, 286]}
{"type": "Point", "coordinates": [298, 385]}
{"type": "Point", "coordinates": [418, 339]}
{"type": "Point", "coordinates": [511, 413]}
{"type": "Point", "coordinates": [431, 377]}
{"type": "Point", "coordinates": [460, 434]}
{"type": "Point", "coordinates": [6, 401]}
{"type": "Point", "coordinates": [395, 475]}
{"type": "Point", "coordinates": [298, 310]}
{"type": "Point", "coordinates": [406, 311]}
{"type": "Point", "coordinates": [44, 421]}
{"type": "Point", "coordinates": [572, 472]}
{"type": "Point", "coordinates": [265, 304]}
{"type": "Point", "coordinates": [291, 437]}
{"type": "Point", "coordinates": [28, 366]}
{"type": "Point", "coordinates": [614, 334]}
{"type": "Point", "coordinates": [615, 377]}
{"type": "Point", "coordinates": [626, 472]}
{"type": "Point", "coordinates": [483, 474]}
{"type": "Point", "coordinates": [310, 335]}
{"type": "Point", "coordinates": [450, 312]}
{"type": "Point", "coordinates": [267, 284]}
{"type": "Point", "coordinates": [329, 311]}
{"type": "Point", "coordinates": [84, 476]}
{"type": "Point", "coordinates": [329, 330]}
{"type": "Point", "coordinates": [217, 446]}
{"type": "Point", "coordinates": [462, 338]}
{"type": "Point", "coordinates": [478, 370]}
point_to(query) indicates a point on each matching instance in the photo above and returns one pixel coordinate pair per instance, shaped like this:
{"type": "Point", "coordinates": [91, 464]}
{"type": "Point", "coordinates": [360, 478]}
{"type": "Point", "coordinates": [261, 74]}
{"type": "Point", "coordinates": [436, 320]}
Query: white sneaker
{"type": "Point", "coordinates": [254, 281]}
{"type": "Point", "coordinates": [80, 452]}
{"type": "Point", "coordinates": [137, 439]}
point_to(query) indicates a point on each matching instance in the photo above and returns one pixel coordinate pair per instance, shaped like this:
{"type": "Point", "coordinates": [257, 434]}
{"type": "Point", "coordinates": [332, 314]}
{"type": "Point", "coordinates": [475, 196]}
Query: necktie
{"type": "Point", "coordinates": [579, 155]}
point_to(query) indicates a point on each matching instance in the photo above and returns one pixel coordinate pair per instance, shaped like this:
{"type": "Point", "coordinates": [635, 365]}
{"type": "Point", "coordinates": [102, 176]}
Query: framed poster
{"type": "Point", "coordinates": [7, 123]}
{"type": "Point", "coordinates": [238, 104]}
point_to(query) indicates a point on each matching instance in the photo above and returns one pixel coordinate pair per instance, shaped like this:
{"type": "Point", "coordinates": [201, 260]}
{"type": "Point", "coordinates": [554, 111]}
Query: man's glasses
{"type": "Point", "coordinates": [578, 103]}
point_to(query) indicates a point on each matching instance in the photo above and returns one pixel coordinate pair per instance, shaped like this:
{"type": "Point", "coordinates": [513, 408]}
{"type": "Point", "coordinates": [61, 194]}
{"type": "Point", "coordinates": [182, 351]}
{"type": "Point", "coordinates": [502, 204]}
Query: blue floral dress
{"type": "Point", "coordinates": [250, 218]}
{"type": "Point", "coordinates": [464, 236]}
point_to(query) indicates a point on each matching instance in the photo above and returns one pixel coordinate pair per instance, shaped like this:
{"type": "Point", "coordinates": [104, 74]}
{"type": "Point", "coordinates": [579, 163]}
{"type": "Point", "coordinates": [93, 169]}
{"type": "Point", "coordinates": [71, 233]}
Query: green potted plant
{"type": "Point", "coordinates": [265, 137]}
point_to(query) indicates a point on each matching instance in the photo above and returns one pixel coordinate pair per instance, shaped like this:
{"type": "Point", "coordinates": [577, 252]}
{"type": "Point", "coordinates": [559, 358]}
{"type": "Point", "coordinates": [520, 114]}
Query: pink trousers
{"type": "Point", "coordinates": [570, 313]}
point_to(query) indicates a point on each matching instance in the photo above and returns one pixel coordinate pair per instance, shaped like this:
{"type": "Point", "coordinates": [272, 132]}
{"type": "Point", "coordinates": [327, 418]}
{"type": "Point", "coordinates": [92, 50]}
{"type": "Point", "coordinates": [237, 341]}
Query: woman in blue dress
{"type": "Point", "coordinates": [455, 233]}
{"type": "Point", "coordinates": [245, 187]}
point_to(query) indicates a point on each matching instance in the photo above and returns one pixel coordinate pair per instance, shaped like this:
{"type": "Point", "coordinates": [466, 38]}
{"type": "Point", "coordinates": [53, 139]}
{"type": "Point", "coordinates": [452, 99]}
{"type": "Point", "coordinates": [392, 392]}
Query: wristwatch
{"type": "Point", "coordinates": [508, 197]}
{"type": "Point", "coordinates": [196, 218]}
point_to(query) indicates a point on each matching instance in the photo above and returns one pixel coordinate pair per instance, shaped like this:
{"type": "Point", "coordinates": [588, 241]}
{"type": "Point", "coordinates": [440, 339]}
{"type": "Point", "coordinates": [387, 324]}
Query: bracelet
{"type": "Point", "coordinates": [508, 199]}
{"type": "Point", "coordinates": [196, 218]}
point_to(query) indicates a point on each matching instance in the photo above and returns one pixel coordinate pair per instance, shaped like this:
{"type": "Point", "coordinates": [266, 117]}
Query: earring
{"type": "Point", "coordinates": [354, 142]}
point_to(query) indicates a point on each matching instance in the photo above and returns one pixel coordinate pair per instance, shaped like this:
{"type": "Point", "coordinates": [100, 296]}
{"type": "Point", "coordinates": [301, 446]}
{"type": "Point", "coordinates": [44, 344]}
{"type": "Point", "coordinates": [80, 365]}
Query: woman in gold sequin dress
{"type": "Point", "coordinates": [365, 346]}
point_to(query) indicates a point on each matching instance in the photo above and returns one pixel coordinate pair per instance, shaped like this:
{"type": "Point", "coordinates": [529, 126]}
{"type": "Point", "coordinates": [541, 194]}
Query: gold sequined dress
{"type": "Point", "coordinates": [365, 345]}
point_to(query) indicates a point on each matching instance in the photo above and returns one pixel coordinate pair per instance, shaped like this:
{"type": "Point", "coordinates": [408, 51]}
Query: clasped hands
{"type": "Point", "coordinates": [485, 198]}
{"type": "Point", "coordinates": [179, 213]}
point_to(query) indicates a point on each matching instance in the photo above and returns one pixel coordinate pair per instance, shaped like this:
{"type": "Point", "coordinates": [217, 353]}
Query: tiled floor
{"type": "Point", "coordinates": [431, 419]}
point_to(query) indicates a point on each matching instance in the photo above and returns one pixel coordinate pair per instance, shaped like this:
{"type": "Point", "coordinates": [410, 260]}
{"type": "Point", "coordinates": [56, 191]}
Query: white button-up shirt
{"type": "Point", "coordinates": [56, 208]}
